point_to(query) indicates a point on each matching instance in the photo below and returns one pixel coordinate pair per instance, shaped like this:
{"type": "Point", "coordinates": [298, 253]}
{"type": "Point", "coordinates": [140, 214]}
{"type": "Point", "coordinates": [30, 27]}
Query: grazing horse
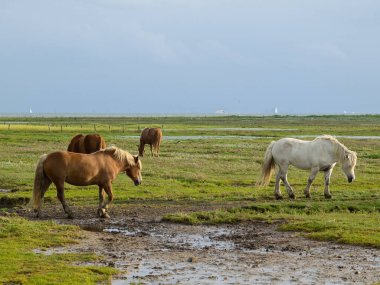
{"type": "Point", "coordinates": [321, 154]}
{"type": "Point", "coordinates": [87, 143]}
{"type": "Point", "coordinates": [153, 137]}
{"type": "Point", "coordinates": [99, 168]}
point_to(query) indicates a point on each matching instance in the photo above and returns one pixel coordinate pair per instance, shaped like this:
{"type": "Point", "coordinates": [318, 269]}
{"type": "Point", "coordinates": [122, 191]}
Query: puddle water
{"type": "Point", "coordinates": [7, 190]}
{"type": "Point", "coordinates": [178, 239]}
{"type": "Point", "coordinates": [164, 253]}
{"type": "Point", "coordinates": [124, 231]}
{"type": "Point", "coordinates": [182, 254]}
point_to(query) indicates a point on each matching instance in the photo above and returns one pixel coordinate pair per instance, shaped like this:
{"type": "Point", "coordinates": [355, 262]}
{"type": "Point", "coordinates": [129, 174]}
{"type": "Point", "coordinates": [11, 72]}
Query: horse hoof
{"type": "Point", "coordinates": [292, 196]}
{"type": "Point", "coordinates": [70, 216]}
{"type": "Point", "coordinates": [327, 196]}
{"type": "Point", "coordinates": [105, 216]}
{"type": "Point", "coordinates": [101, 212]}
{"type": "Point", "coordinates": [279, 197]}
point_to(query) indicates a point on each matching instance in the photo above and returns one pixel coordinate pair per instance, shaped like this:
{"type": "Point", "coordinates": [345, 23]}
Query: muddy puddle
{"type": "Point", "coordinates": [250, 253]}
{"type": "Point", "coordinates": [188, 238]}
{"type": "Point", "coordinates": [148, 251]}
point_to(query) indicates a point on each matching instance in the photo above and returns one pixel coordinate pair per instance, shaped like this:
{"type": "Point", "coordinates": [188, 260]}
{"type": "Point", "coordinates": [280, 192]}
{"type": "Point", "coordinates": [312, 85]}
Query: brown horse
{"type": "Point", "coordinates": [99, 168]}
{"type": "Point", "coordinates": [153, 137]}
{"type": "Point", "coordinates": [87, 143]}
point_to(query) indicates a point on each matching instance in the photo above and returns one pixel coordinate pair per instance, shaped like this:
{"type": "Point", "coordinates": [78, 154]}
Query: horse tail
{"type": "Point", "coordinates": [268, 167]}
{"type": "Point", "coordinates": [158, 139]}
{"type": "Point", "coordinates": [102, 143]}
{"type": "Point", "coordinates": [98, 145]}
{"type": "Point", "coordinates": [39, 183]}
{"type": "Point", "coordinates": [159, 136]}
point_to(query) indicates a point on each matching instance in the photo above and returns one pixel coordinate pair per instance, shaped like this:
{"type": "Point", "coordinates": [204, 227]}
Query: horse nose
{"type": "Point", "coordinates": [137, 182]}
{"type": "Point", "coordinates": [350, 179]}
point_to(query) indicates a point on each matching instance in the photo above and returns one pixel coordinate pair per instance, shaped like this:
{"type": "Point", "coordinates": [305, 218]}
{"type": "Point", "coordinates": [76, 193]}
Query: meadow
{"type": "Point", "coordinates": [202, 160]}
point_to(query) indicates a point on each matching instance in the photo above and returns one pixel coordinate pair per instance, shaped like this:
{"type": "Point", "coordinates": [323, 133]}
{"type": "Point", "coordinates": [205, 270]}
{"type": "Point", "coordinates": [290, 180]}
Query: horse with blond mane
{"type": "Point", "coordinates": [86, 144]}
{"type": "Point", "coordinates": [321, 154]}
{"type": "Point", "coordinates": [99, 168]}
{"type": "Point", "coordinates": [153, 137]}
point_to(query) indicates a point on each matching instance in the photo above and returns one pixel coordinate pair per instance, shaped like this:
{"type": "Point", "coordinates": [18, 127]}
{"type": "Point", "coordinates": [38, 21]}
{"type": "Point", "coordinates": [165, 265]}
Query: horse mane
{"type": "Point", "coordinates": [342, 149]}
{"type": "Point", "coordinates": [120, 154]}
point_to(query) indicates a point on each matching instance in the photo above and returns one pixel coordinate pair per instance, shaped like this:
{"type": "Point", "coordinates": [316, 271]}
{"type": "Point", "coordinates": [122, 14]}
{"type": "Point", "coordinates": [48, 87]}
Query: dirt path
{"type": "Point", "coordinates": [152, 252]}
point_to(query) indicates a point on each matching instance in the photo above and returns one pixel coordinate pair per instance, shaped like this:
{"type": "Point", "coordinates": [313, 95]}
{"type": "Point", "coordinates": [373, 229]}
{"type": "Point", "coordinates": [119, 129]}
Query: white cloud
{"type": "Point", "coordinates": [156, 44]}
{"type": "Point", "coordinates": [214, 48]}
{"type": "Point", "coordinates": [328, 50]}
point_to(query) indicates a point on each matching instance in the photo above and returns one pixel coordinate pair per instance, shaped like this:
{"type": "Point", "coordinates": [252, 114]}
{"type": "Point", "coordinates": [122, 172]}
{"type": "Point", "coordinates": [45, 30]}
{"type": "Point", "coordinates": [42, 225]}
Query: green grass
{"type": "Point", "coordinates": [20, 265]}
{"type": "Point", "coordinates": [209, 170]}
{"type": "Point", "coordinates": [351, 222]}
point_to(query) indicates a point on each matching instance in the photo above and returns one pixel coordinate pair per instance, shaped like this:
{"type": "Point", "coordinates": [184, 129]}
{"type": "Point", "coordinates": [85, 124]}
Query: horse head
{"type": "Point", "coordinates": [133, 171]}
{"type": "Point", "coordinates": [348, 165]}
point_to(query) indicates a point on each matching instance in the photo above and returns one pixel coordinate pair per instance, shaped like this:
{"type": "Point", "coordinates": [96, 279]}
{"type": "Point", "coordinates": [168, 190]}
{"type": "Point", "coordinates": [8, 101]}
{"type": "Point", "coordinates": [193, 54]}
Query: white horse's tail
{"type": "Point", "coordinates": [39, 183]}
{"type": "Point", "coordinates": [268, 167]}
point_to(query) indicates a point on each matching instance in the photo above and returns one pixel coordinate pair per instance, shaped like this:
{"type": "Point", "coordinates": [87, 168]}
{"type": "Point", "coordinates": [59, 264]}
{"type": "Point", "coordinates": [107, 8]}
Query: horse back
{"type": "Point", "coordinates": [74, 145]}
{"type": "Point", "coordinates": [300, 153]}
{"type": "Point", "coordinates": [93, 143]}
{"type": "Point", "coordinates": [151, 135]}
{"type": "Point", "coordinates": [78, 168]}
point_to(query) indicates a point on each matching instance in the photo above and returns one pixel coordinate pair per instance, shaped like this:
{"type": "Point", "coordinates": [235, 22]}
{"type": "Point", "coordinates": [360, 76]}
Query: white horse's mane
{"type": "Point", "coordinates": [341, 147]}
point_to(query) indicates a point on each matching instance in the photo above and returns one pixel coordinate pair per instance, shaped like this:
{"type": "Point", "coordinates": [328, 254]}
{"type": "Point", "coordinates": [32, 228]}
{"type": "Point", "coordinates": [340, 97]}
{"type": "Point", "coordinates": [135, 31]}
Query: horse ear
{"type": "Point", "coordinates": [136, 158]}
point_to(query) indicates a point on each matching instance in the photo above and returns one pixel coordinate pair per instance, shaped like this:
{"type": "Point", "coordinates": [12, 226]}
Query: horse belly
{"type": "Point", "coordinates": [78, 181]}
{"type": "Point", "coordinates": [300, 164]}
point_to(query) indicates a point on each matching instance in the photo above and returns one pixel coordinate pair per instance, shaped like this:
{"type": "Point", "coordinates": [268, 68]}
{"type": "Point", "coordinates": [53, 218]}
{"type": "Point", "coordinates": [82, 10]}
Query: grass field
{"type": "Point", "coordinates": [209, 159]}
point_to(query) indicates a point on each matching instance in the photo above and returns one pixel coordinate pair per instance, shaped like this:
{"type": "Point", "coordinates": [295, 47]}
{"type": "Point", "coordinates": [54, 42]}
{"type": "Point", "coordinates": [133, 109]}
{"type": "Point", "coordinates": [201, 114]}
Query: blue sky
{"type": "Point", "coordinates": [195, 56]}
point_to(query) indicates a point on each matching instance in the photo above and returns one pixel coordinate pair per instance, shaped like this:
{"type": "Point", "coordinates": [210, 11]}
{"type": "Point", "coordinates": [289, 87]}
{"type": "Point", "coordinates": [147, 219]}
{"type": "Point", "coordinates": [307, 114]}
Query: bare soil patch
{"type": "Point", "coordinates": [149, 251]}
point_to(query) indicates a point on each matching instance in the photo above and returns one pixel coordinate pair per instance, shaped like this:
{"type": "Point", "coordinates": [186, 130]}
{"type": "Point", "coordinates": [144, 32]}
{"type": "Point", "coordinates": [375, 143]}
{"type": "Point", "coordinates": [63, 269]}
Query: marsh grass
{"type": "Point", "coordinates": [209, 170]}
{"type": "Point", "coordinates": [20, 265]}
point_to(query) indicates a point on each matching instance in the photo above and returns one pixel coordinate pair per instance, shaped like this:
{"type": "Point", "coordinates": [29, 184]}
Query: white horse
{"type": "Point", "coordinates": [321, 154]}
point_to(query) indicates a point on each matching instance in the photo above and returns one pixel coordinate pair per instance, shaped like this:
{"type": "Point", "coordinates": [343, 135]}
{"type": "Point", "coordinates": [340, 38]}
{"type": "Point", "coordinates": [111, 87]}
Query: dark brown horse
{"type": "Point", "coordinates": [87, 143]}
{"type": "Point", "coordinates": [99, 168]}
{"type": "Point", "coordinates": [153, 137]}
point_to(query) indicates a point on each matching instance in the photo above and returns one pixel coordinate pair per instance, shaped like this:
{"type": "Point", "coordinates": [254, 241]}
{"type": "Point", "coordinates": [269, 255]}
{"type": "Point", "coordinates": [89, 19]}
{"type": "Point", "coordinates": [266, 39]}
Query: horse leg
{"type": "Point", "coordinates": [158, 149]}
{"type": "Point", "coordinates": [108, 189]}
{"type": "Point", "coordinates": [61, 197]}
{"type": "Point", "coordinates": [327, 183]}
{"type": "Point", "coordinates": [277, 191]}
{"type": "Point", "coordinates": [151, 149]}
{"type": "Point", "coordinates": [45, 187]}
{"type": "Point", "coordinates": [101, 211]}
{"type": "Point", "coordinates": [313, 174]}
{"type": "Point", "coordinates": [284, 178]}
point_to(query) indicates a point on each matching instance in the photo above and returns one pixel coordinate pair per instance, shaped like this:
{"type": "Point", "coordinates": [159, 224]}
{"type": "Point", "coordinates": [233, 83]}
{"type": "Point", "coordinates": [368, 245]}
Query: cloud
{"type": "Point", "coordinates": [220, 51]}
{"type": "Point", "coordinates": [328, 50]}
{"type": "Point", "coordinates": [156, 44]}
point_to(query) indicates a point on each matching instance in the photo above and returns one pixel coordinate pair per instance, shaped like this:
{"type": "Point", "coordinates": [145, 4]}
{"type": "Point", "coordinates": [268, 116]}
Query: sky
{"type": "Point", "coordinates": [190, 56]}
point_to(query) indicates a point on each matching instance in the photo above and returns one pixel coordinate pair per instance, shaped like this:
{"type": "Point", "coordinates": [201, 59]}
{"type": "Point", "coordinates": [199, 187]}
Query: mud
{"type": "Point", "coordinates": [149, 251]}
